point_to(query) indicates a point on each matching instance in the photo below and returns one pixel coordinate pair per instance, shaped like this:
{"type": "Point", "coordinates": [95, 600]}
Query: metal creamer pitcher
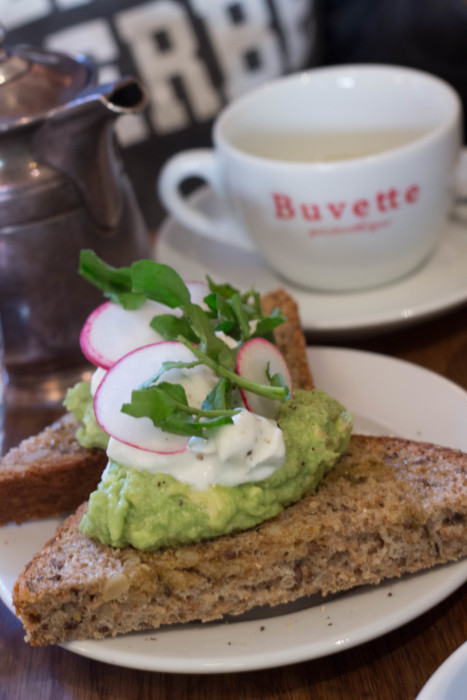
{"type": "Point", "coordinates": [62, 189]}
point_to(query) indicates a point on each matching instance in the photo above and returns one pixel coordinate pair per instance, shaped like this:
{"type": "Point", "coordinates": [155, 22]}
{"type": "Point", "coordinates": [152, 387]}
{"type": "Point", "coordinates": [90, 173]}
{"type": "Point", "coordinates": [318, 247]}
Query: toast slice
{"type": "Point", "coordinates": [51, 474]}
{"type": "Point", "coordinates": [390, 507]}
{"type": "Point", "coordinates": [48, 474]}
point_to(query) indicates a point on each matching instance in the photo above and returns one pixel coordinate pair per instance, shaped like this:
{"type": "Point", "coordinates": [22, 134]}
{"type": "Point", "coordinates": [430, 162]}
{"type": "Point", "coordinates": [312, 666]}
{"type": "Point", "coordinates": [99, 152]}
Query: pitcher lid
{"type": "Point", "coordinates": [34, 81]}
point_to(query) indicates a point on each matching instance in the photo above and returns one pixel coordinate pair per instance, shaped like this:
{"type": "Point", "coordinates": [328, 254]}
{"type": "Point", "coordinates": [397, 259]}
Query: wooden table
{"type": "Point", "coordinates": [396, 665]}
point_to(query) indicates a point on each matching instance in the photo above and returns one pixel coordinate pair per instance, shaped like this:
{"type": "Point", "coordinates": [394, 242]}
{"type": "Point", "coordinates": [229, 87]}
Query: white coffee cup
{"type": "Point", "coordinates": [342, 177]}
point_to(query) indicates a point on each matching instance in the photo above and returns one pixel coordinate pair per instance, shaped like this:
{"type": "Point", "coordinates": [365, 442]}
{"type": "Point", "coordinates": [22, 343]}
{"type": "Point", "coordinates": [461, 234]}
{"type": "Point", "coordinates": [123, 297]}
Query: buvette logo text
{"type": "Point", "coordinates": [384, 202]}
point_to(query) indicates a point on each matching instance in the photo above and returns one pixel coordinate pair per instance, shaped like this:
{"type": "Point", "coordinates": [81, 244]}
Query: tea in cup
{"type": "Point", "coordinates": [341, 177]}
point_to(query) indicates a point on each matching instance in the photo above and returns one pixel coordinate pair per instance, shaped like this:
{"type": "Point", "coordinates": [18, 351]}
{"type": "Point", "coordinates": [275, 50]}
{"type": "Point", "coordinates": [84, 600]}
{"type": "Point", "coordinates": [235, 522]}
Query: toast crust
{"type": "Point", "coordinates": [51, 474]}
{"type": "Point", "coordinates": [389, 507]}
{"type": "Point", "coordinates": [289, 336]}
{"type": "Point", "coordinates": [48, 474]}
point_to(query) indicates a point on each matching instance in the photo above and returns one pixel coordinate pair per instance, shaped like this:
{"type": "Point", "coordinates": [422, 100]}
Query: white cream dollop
{"type": "Point", "coordinates": [96, 378]}
{"type": "Point", "coordinates": [249, 449]}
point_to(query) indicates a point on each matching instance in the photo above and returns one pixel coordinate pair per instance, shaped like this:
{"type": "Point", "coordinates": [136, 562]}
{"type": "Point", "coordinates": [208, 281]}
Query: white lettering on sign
{"type": "Point", "coordinates": [164, 48]}
{"type": "Point", "coordinates": [14, 13]}
{"type": "Point", "coordinates": [247, 49]}
{"type": "Point", "coordinates": [95, 39]}
{"type": "Point", "coordinates": [92, 37]}
{"type": "Point", "coordinates": [295, 22]}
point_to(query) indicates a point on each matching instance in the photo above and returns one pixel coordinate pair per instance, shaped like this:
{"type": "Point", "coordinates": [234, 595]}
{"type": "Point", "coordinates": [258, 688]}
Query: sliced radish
{"type": "Point", "coordinates": [198, 290]}
{"type": "Point", "coordinates": [252, 362]}
{"type": "Point", "coordinates": [111, 331]}
{"type": "Point", "coordinates": [128, 374]}
{"type": "Point", "coordinates": [97, 376]}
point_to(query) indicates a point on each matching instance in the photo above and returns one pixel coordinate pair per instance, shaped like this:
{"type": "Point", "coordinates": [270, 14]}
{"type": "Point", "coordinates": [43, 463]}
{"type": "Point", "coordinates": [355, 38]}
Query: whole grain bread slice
{"type": "Point", "coordinates": [51, 474]}
{"type": "Point", "coordinates": [48, 474]}
{"type": "Point", "coordinates": [289, 336]}
{"type": "Point", "coordinates": [390, 507]}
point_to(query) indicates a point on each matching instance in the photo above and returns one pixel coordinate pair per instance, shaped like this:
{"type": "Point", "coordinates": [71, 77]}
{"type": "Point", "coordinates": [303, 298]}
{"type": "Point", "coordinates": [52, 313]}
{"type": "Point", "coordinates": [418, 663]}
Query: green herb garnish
{"type": "Point", "coordinates": [237, 314]}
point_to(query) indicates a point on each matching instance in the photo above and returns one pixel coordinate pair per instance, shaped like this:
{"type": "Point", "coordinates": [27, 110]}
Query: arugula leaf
{"type": "Point", "coordinates": [234, 313]}
{"type": "Point", "coordinates": [224, 290]}
{"type": "Point", "coordinates": [166, 367]}
{"type": "Point", "coordinates": [131, 286]}
{"type": "Point", "coordinates": [159, 282]}
{"type": "Point", "coordinates": [114, 282]}
{"type": "Point", "coordinates": [157, 402]}
{"type": "Point", "coordinates": [166, 405]}
{"type": "Point", "coordinates": [265, 326]}
{"type": "Point", "coordinates": [170, 327]}
{"type": "Point", "coordinates": [220, 397]}
{"type": "Point", "coordinates": [209, 343]}
{"type": "Point", "coordinates": [241, 314]}
{"type": "Point", "coordinates": [276, 379]}
{"type": "Point", "coordinates": [219, 307]}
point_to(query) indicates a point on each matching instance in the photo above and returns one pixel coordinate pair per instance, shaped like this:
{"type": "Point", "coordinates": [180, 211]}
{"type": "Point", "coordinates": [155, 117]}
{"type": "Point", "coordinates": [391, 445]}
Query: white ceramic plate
{"type": "Point", "coordinates": [386, 396]}
{"type": "Point", "coordinates": [450, 680]}
{"type": "Point", "coordinates": [437, 286]}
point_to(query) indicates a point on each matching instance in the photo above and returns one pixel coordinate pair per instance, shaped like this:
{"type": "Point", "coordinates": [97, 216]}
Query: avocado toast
{"type": "Point", "coordinates": [389, 507]}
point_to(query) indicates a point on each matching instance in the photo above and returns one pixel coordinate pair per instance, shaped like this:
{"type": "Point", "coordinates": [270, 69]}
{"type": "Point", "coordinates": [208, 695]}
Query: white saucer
{"type": "Point", "coordinates": [311, 627]}
{"type": "Point", "coordinates": [439, 285]}
{"type": "Point", "coordinates": [450, 680]}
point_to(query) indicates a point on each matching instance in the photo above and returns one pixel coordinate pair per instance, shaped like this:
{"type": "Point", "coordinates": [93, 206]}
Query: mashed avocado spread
{"type": "Point", "coordinates": [148, 511]}
{"type": "Point", "coordinates": [78, 401]}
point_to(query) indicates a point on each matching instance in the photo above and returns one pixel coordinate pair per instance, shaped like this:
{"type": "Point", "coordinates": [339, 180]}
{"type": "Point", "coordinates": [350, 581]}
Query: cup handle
{"type": "Point", "coordinates": [200, 163]}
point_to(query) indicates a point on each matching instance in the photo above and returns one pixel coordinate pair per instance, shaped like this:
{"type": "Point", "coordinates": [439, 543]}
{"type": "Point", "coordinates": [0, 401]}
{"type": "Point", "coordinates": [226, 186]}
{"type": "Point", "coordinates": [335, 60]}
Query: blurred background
{"type": "Point", "coordinates": [194, 56]}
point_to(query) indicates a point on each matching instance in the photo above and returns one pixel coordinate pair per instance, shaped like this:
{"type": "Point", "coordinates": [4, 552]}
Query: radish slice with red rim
{"type": "Point", "coordinates": [129, 373]}
{"type": "Point", "coordinates": [111, 331]}
{"type": "Point", "coordinates": [253, 360]}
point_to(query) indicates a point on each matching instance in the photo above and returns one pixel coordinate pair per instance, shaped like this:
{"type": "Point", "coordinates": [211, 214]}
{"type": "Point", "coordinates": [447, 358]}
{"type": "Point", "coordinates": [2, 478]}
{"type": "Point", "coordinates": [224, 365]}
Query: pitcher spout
{"type": "Point", "coordinates": [78, 139]}
{"type": "Point", "coordinates": [127, 96]}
